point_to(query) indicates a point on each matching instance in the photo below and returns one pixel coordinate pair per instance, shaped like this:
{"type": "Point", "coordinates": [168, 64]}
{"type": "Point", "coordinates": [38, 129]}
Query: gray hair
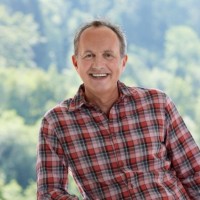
{"type": "Point", "coordinates": [98, 23]}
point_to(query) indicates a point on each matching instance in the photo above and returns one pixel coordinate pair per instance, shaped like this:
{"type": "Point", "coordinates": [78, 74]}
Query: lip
{"type": "Point", "coordinates": [98, 75]}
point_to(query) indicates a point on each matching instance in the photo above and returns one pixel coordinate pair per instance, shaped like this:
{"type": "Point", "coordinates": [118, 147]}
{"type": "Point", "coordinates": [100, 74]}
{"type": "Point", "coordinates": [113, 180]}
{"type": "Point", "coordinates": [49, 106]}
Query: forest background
{"type": "Point", "coordinates": [36, 73]}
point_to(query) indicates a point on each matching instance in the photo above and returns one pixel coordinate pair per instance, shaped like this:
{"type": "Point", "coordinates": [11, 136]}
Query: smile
{"type": "Point", "coordinates": [99, 75]}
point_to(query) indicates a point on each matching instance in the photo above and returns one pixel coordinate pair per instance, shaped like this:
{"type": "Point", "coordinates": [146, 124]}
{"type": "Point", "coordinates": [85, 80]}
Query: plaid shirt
{"type": "Point", "coordinates": [141, 151]}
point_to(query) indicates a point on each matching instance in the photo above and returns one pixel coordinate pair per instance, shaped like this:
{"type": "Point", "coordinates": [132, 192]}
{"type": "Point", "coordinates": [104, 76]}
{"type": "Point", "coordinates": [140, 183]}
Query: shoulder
{"type": "Point", "coordinates": [148, 93]}
{"type": "Point", "coordinates": [58, 112]}
{"type": "Point", "coordinates": [141, 92]}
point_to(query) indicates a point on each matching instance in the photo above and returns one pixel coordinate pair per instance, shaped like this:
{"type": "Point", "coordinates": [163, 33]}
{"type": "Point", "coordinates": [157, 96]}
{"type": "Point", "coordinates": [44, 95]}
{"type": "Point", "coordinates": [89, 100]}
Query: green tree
{"type": "Point", "coordinates": [12, 190]}
{"type": "Point", "coordinates": [18, 35]}
{"type": "Point", "coordinates": [72, 186]}
{"type": "Point", "coordinates": [182, 51]}
{"type": "Point", "coordinates": [30, 192]}
{"type": "Point", "coordinates": [17, 149]}
{"type": "Point", "coordinates": [31, 92]}
{"type": "Point", "coordinates": [182, 60]}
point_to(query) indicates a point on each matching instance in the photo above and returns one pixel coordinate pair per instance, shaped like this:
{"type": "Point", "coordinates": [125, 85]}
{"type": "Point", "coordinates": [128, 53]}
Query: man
{"type": "Point", "coordinates": [119, 142]}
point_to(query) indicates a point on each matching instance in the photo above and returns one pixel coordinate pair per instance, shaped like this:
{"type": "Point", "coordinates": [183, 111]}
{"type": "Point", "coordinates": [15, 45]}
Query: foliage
{"type": "Point", "coordinates": [13, 189]}
{"type": "Point", "coordinates": [16, 49]}
{"type": "Point", "coordinates": [182, 50]}
{"type": "Point", "coordinates": [145, 22]}
{"type": "Point", "coordinates": [31, 92]}
{"type": "Point", "coordinates": [72, 187]}
{"type": "Point", "coordinates": [17, 149]}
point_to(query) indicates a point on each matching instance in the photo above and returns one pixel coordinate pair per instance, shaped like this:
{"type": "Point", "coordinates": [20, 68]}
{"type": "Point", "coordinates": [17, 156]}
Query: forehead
{"type": "Point", "coordinates": [98, 34]}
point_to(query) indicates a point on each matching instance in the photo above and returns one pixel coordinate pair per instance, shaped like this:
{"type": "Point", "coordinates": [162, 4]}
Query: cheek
{"type": "Point", "coordinates": [120, 67]}
{"type": "Point", "coordinates": [82, 71]}
{"type": "Point", "coordinates": [84, 64]}
{"type": "Point", "coordinates": [80, 66]}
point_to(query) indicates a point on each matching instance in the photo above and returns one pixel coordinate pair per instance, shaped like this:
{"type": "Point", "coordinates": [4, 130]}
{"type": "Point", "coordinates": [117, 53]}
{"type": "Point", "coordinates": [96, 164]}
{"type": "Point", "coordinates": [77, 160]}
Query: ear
{"type": "Point", "coordinates": [74, 61]}
{"type": "Point", "coordinates": [124, 61]}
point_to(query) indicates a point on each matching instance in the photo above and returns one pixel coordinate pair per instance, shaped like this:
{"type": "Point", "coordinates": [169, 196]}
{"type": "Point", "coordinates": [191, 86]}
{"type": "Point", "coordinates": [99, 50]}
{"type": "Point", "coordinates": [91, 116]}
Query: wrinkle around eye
{"type": "Point", "coordinates": [88, 56]}
{"type": "Point", "coordinates": [108, 56]}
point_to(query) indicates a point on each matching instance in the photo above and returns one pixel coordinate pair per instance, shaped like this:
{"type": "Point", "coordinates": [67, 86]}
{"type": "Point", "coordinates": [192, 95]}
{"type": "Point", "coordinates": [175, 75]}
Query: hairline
{"type": "Point", "coordinates": [97, 24]}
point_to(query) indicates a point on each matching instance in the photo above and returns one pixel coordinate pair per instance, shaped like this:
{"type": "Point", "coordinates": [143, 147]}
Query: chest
{"type": "Point", "coordinates": [128, 136]}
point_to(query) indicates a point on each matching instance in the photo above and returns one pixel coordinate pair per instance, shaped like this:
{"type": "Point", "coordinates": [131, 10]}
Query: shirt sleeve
{"type": "Point", "coordinates": [52, 171]}
{"type": "Point", "coordinates": [183, 151]}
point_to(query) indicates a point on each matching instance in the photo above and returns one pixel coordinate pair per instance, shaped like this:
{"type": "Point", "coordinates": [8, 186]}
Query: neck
{"type": "Point", "coordinates": [103, 100]}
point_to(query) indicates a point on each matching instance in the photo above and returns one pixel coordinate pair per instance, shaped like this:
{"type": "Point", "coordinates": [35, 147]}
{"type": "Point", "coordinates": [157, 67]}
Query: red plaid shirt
{"type": "Point", "coordinates": [141, 151]}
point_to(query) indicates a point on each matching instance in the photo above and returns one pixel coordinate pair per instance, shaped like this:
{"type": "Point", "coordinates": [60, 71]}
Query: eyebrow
{"type": "Point", "coordinates": [88, 51]}
{"type": "Point", "coordinates": [109, 51]}
{"type": "Point", "coordinates": [105, 51]}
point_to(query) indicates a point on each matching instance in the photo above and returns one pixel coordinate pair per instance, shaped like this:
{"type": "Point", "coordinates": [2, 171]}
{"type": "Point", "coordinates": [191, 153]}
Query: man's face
{"type": "Point", "coordinates": [98, 62]}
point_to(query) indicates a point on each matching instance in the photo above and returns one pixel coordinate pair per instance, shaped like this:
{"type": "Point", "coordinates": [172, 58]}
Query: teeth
{"type": "Point", "coordinates": [99, 75]}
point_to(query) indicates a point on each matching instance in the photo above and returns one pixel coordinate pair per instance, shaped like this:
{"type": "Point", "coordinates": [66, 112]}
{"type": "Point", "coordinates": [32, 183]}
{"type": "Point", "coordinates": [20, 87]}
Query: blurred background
{"type": "Point", "coordinates": [36, 73]}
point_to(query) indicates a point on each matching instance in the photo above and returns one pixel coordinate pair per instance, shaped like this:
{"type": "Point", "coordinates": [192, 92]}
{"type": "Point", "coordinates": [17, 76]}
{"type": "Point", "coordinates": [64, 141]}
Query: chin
{"type": "Point", "coordinates": [101, 89]}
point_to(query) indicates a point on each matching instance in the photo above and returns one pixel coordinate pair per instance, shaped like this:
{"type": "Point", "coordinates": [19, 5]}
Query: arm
{"type": "Point", "coordinates": [183, 151]}
{"type": "Point", "coordinates": [52, 171]}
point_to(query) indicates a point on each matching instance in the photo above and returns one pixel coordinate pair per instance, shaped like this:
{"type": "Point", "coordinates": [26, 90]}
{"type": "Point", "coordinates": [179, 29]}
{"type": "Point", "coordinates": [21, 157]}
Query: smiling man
{"type": "Point", "coordinates": [100, 63]}
{"type": "Point", "coordinates": [119, 142]}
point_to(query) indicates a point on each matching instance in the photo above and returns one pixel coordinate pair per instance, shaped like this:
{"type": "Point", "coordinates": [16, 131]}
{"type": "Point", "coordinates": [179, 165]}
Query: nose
{"type": "Point", "coordinates": [97, 67]}
{"type": "Point", "coordinates": [98, 62]}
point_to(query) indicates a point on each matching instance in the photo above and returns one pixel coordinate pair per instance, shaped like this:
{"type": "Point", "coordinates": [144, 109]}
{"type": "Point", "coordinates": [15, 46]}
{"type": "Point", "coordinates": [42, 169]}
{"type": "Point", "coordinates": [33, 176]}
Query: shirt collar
{"type": "Point", "coordinates": [79, 99]}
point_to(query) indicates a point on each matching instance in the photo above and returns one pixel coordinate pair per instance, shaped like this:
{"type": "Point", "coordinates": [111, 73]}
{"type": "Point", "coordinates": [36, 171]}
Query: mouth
{"type": "Point", "coordinates": [100, 75]}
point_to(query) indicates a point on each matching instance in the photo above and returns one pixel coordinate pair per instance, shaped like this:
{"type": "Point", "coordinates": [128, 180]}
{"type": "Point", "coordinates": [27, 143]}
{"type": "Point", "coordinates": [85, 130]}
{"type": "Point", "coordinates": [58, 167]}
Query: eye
{"type": "Point", "coordinates": [108, 56]}
{"type": "Point", "coordinates": [88, 56]}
